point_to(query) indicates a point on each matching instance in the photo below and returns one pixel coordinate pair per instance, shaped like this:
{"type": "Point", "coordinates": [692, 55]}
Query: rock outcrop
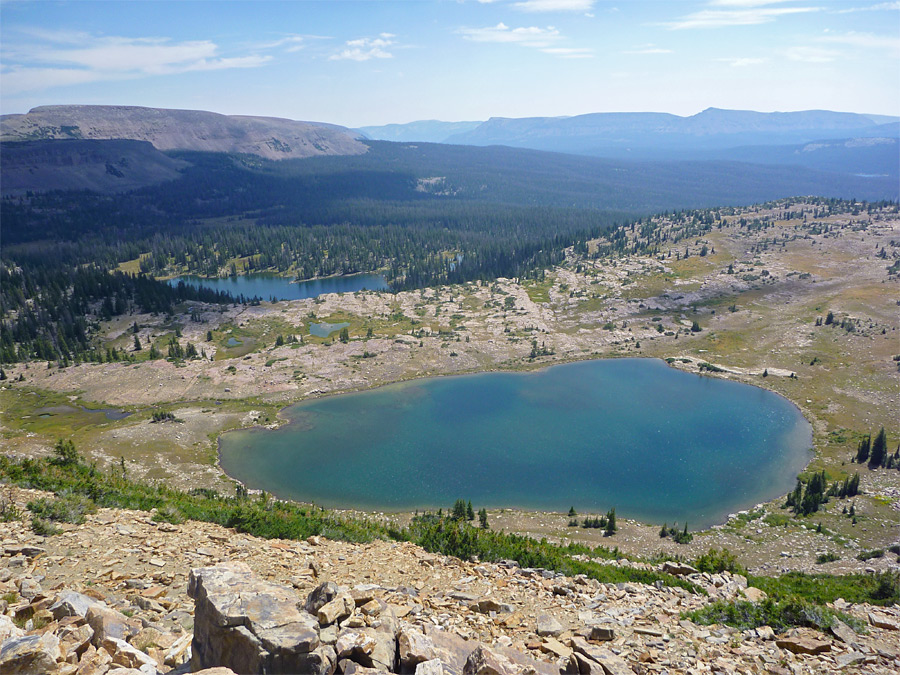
{"type": "Point", "coordinates": [124, 595]}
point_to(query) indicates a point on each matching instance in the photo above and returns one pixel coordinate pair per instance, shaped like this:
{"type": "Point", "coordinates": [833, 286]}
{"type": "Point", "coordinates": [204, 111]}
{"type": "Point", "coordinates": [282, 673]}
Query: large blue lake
{"type": "Point", "coordinates": [654, 442]}
{"type": "Point", "coordinates": [267, 286]}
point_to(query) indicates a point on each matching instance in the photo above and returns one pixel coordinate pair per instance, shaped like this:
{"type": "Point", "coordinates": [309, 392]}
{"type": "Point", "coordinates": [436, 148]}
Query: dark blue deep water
{"type": "Point", "coordinates": [267, 286]}
{"type": "Point", "coordinates": [656, 443]}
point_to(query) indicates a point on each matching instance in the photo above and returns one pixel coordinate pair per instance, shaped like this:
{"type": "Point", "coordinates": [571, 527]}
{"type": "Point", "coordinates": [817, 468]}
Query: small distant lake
{"type": "Point", "coordinates": [658, 444]}
{"type": "Point", "coordinates": [323, 330]}
{"type": "Point", "coordinates": [267, 286]}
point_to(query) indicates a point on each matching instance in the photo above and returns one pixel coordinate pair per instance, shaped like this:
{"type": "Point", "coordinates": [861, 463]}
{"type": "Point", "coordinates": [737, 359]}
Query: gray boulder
{"type": "Point", "coordinates": [30, 654]}
{"type": "Point", "coordinates": [548, 626]}
{"type": "Point", "coordinates": [70, 603]}
{"type": "Point", "coordinates": [320, 596]}
{"type": "Point", "coordinates": [485, 661]}
{"type": "Point", "coordinates": [108, 623]}
{"type": "Point", "coordinates": [249, 625]}
{"type": "Point", "coordinates": [368, 647]}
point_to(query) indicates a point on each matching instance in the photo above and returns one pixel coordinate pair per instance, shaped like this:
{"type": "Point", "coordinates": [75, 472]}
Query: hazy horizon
{"type": "Point", "coordinates": [374, 63]}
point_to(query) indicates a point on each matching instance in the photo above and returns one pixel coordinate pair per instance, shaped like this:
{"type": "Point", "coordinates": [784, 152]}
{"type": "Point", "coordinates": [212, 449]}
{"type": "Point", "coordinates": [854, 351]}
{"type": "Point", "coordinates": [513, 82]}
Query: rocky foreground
{"type": "Point", "coordinates": [124, 594]}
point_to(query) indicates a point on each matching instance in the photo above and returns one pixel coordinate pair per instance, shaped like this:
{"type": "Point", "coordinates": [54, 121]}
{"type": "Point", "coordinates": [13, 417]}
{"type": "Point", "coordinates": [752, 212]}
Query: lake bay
{"type": "Point", "coordinates": [658, 444]}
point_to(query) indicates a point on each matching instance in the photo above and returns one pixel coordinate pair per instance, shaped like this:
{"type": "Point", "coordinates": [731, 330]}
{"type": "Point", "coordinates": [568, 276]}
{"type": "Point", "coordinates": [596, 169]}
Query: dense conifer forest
{"type": "Point", "coordinates": [420, 214]}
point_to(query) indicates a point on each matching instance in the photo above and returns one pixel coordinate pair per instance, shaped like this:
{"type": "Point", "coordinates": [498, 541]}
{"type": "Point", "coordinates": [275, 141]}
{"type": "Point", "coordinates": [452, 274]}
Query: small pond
{"type": "Point", "coordinates": [108, 413]}
{"type": "Point", "coordinates": [323, 330]}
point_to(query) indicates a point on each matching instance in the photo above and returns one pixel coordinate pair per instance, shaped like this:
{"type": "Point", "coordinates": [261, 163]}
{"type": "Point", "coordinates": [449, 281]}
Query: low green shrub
{"type": "Point", "coordinates": [875, 589]}
{"type": "Point", "coordinates": [9, 511]}
{"type": "Point", "coordinates": [717, 560]}
{"type": "Point", "coordinates": [868, 555]}
{"type": "Point", "coordinates": [779, 615]}
{"type": "Point", "coordinates": [44, 528]}
{"type": "Point", "coordinates": [67, 508]}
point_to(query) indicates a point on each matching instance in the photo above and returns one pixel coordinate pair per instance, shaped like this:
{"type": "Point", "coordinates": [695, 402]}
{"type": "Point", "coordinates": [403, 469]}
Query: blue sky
{"type": "Point", "coordinates": [371, 62]}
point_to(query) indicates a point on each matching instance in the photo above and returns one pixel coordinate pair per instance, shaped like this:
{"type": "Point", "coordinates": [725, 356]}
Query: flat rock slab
{"type": "Point", "coordinates": [849, 659]}
{"type": "Point", "coordinates": [843, 632]}
{"type": "Point", "coordinates": [678, 569]}
{"type": "Point", "coordinates": [802, 645]}
{"type": "Point", "coordinates": [882, 621]}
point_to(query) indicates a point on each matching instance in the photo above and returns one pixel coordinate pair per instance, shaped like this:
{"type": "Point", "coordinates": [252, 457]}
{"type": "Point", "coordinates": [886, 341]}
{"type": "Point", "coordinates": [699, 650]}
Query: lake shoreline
{"type": "Point", "coordinates": [282, 419]}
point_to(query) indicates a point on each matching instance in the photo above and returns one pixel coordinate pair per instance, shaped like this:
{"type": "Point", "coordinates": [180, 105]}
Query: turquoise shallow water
{"type": "Point", "coordinates": [266, 286]}
{"type": "Point", "coordinates": [656, 443]}
{"type": "Point", "coordinates": [323, 330]}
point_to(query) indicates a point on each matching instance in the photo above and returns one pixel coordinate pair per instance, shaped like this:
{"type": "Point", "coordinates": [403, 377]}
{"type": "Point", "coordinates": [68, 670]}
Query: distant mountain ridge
{"type": "Point", "coordinates": [663, 135]}
{"type": "Point", "coordinates": [423, 131]}
{"type": "Point", "coordinates": [165, 129]}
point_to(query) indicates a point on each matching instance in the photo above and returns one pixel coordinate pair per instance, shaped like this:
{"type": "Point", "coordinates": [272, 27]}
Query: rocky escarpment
{"type": "Point", "coordinates": [268, 137]}
{"type": "Point", "coordinates": [124, 594]}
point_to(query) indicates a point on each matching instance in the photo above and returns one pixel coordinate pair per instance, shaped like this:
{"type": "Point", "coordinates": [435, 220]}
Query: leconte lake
{"type": "Point", "coordinates": [658, 444]}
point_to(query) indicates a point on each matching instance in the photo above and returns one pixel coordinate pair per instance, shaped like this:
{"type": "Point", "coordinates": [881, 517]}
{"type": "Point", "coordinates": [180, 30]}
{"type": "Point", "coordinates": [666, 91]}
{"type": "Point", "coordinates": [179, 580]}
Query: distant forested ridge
{"type": "Point", "coordinates": [421, 214]}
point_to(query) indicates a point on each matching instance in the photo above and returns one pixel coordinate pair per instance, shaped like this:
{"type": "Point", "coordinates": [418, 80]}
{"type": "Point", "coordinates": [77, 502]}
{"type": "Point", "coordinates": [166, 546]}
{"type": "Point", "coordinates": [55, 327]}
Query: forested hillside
{"type": "Point", "coordinates": [422, 214]}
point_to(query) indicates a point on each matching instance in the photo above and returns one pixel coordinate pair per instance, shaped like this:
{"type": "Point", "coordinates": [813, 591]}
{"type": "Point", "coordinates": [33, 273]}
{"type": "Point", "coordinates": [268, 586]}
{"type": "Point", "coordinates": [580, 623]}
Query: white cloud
{"type": "Point", "coordinates": [865, 40]}
{"type": "Point", "coordinates": [745, 3]}
{"type": "Point", "coordinates": [17, 80]}
{"type": "Point", "coordinates": [812, 54]}
{"type": "Point", "coordinates": [743, 62]}
{"type": "Point", "coordinates": [366, 49]}
{"type": "Point", "coordinates": [747, 15]}
{"type": "Point", "coordinates": [554, 5]}
{"type": "Point", "coordinates": [570, 52]}
{"type": "Point", "coordinates": [51, 59]}
{"type": "Point", "coordinates": [881, 6]}
{"type": "Point", "coordinates": [501, 33]}
{"type": "Point", "coordinates": [290, 44]}
{"type": "Point", "coordinates": [545, 39]}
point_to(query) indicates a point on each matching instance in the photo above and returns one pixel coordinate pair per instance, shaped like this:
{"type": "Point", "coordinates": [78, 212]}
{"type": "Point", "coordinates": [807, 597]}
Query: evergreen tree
{"type": "Point", "coordinates": [345, 335]}
{"type": "Point", "coordinates": [862, 450]}
{"type": "Point", "coordinates": [65, 452]}
{"type": "Point", "coordinates": [470, 513]}
{"type": "Point", "coordinates": [137, 344]}
{"type": "Point", "coordinates": [572, 512]}
{"type": "Point", "coordinates": [879, 450]}
{"type": "Point", "coordinates": [459, 510]}
{"type": "Point", "coordinates": [483, 519]}
{"type": "Point", "coordinates": [610, 523]}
